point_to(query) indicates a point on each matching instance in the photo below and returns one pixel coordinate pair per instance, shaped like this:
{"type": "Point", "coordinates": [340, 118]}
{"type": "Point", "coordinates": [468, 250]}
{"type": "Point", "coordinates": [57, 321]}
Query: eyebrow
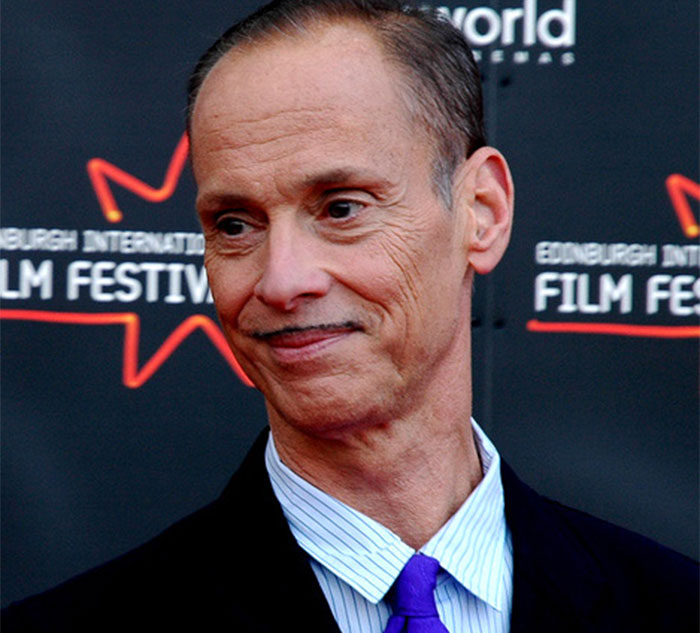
{"type": "Point", "coordinates": [341, 177]}
{"type": "Point", "coordinates": [217, 199]}
{"type": "Point", "coordinates": [377, 185]}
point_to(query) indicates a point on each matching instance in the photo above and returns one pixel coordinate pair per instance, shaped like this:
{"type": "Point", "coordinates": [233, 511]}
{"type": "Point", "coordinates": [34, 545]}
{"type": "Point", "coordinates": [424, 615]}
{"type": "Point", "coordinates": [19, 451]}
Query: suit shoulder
{"type": "Point", "coordinates": [195, 575]}
{"type": "Point", "coordinates": [648, 574]}
{"type": "Point", "coordinates": [620, 546]}
{"type": "Point", "coordinates": [588, 566]}
{"type": "Point", "coordinates": [543, 521]}
{"type": "Point", "coordinates": [151, 573]}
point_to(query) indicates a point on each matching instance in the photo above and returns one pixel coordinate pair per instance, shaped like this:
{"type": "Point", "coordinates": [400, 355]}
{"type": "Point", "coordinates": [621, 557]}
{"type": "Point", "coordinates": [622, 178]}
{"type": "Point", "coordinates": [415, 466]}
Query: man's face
{"type": "Point", "coordinates": [340, 279]}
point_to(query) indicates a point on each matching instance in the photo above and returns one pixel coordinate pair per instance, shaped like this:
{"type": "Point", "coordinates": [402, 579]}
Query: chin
{"type": "Point", "coordinates": [330, 413]}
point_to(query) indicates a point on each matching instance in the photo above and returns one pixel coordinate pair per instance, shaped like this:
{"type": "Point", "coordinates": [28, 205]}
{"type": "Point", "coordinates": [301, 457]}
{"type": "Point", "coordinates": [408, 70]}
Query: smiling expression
{"type": "Point", "coordinates": [340, 279]}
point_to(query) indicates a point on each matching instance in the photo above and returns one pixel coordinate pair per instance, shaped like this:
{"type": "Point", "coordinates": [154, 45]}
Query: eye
{"type": "Point", "coordinates": [233, 226]}
{"type": "Point", "coordinates": [343, 209]}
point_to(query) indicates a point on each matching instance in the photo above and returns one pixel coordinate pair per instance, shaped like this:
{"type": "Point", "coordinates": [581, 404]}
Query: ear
{"type": "Point", "coordinates": [484, 188]}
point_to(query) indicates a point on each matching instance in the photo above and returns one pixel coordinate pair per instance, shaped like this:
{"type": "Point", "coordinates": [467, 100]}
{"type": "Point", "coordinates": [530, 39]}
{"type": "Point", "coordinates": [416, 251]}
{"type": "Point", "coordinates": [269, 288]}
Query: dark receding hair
{"type": "Point", "coordinates": [442, 87]}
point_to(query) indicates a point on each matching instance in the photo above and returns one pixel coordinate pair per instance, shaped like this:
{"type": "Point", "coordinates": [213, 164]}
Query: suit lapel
{"type": "Point", "coordinates": [281, 587]}
{"type": "Point", "coordinates": [557, 584]}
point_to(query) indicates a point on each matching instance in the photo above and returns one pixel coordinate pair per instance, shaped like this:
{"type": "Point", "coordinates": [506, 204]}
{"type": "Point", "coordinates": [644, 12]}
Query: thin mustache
{"type": "Point", "coordinates": [294, 329]}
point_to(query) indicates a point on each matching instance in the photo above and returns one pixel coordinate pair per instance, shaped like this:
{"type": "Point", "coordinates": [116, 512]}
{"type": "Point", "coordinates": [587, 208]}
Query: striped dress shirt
{"type": "Point", "coordinates": [356, 559]}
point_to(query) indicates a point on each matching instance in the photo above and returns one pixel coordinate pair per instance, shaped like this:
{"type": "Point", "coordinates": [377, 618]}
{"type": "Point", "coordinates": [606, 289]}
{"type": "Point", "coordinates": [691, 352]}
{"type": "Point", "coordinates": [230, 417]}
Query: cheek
{"type": "Point", "coordinates": [387, 276]}
{"type": "Point", "coordinates": [399, 265]}
{"type": "Point", "coordinates": [230, 286]}
{"type": "Point", "coordinates": [417, 278]}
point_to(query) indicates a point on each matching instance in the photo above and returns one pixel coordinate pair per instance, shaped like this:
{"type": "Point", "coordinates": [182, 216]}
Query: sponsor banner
{"type": "Point", "coordinates": [80, 276]}
{"type": "Point", "coordinates": [620, 288]}
{"type": "Point", "coordinates": [521, 33]}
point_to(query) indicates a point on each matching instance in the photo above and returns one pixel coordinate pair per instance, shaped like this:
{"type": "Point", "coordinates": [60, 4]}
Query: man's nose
{"type": "Point", "coordinates": [292, 271]}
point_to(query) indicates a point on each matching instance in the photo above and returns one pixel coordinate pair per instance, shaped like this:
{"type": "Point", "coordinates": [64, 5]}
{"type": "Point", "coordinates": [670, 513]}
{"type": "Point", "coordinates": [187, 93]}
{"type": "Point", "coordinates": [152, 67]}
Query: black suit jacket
{"type": "Point", "coordinates": [235, 566]}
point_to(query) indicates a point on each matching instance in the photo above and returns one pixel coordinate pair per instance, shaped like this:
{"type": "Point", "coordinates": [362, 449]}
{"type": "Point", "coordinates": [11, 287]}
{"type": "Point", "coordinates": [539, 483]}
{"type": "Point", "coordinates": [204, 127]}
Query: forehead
{"type": "Point", "coordinates": [297, 68]}
{"type": "Point", "coordinates": [330, 83]}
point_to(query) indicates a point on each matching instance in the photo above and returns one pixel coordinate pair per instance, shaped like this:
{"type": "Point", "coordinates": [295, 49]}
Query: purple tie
{"type": "Point", "coordinates": [412, 598]}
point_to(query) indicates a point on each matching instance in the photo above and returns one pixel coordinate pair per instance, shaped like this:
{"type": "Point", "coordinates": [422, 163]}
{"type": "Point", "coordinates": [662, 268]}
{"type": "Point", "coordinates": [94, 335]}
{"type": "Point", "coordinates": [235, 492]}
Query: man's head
{"type": "Point", "coordinates": [342, 282]}
{"type": "Point", "coordinates": [441, 89]}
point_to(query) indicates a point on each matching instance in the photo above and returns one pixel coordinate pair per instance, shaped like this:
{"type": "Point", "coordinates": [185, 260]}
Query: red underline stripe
{"type": "Point", "coordinates": [618, 329]}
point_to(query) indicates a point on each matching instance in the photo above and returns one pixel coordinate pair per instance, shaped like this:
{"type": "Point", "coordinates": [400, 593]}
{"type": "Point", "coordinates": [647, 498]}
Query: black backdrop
{"type": "Point", "coordinates": [586, 367]}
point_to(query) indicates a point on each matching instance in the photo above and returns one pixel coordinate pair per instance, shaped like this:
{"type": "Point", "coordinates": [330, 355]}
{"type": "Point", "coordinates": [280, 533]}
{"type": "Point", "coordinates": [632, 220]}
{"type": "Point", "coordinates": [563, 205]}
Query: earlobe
{"type": "Point", "coordinates": [487, 190]}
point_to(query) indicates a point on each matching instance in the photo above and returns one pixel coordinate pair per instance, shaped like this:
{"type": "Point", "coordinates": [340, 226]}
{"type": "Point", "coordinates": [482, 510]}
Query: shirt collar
{"type": "Point", "coordinates": [470, 546]}
{"type": "Point", "coordinates": [369, 557]}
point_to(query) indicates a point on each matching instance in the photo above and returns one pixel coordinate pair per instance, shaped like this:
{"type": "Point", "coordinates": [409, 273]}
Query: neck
{"type": "Point", "coordinates": [409, 473]}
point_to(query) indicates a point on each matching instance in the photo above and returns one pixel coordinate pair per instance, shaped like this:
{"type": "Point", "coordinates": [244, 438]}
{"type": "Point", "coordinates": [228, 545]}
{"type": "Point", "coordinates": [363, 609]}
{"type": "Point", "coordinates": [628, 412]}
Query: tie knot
{"type": "Point", "coordinates": [412, 593]}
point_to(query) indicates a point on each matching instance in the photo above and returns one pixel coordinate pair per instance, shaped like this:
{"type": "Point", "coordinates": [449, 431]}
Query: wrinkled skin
{"type": "Point", "coordinates": [342, 282]}
{"type": "Point", "coordinates": [319, 211]}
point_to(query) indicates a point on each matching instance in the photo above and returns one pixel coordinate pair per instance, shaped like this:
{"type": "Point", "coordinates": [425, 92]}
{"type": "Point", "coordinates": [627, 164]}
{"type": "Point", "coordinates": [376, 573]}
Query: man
{"type": "Point", "coordinates": [348, 198]}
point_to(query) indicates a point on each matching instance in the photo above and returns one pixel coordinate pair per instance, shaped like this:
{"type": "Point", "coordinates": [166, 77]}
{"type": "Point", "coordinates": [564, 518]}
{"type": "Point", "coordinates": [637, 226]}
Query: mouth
{"type": "Point", "coordinates": [297, 337]}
